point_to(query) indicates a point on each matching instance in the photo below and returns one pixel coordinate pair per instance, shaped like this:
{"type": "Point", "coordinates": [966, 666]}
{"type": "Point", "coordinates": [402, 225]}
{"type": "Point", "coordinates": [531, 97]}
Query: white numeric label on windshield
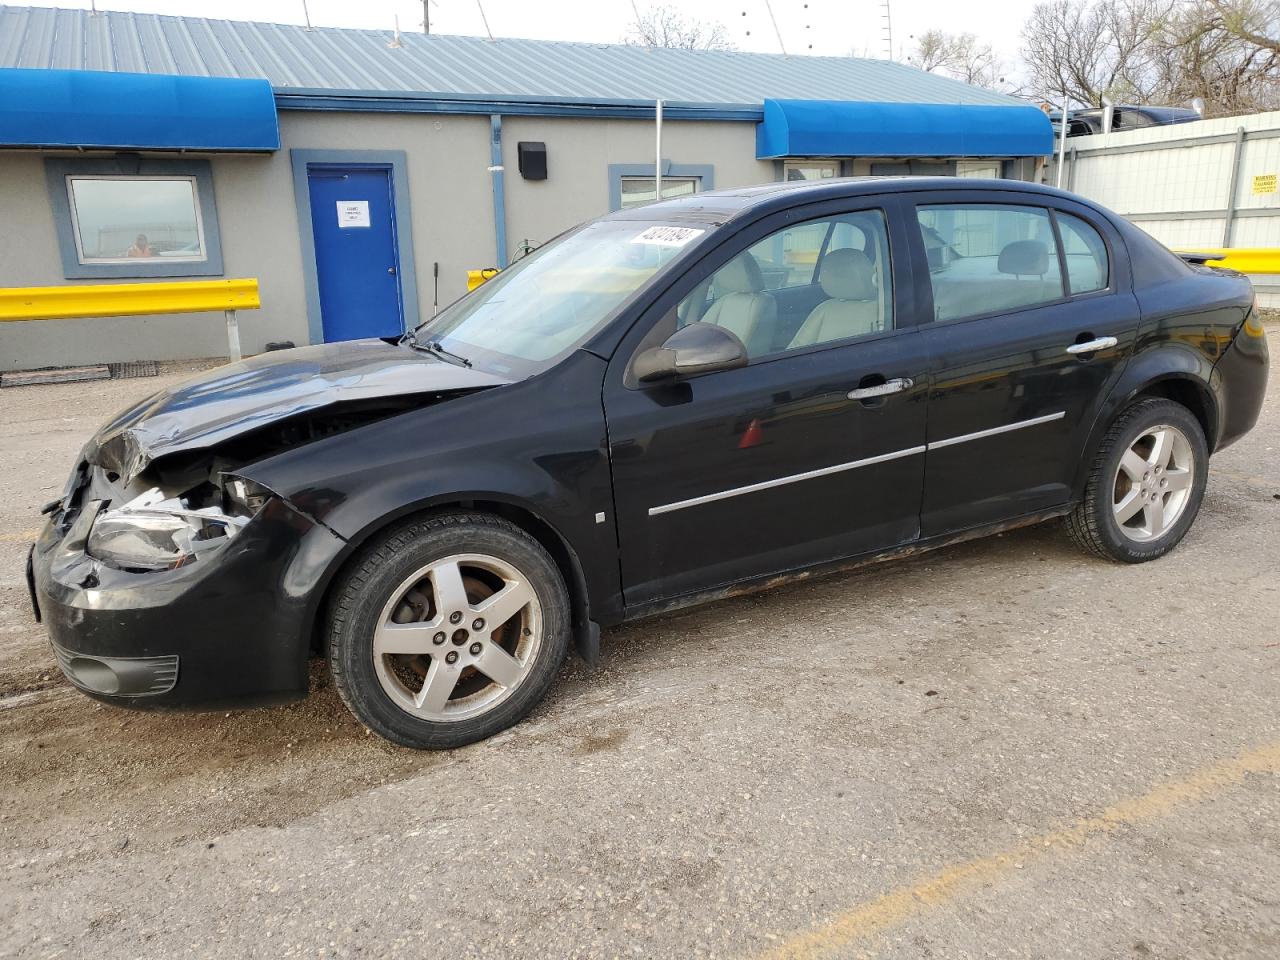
{"type": "Point", "coordinates": [668, 236]}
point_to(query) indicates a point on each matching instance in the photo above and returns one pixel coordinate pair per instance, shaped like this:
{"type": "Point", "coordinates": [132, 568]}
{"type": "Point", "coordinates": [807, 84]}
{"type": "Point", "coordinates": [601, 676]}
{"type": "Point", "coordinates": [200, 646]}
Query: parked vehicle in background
{"type": "Point", "coordinates": [1084, 123]}
{"type": "Point", "coordinates": [672, 404]}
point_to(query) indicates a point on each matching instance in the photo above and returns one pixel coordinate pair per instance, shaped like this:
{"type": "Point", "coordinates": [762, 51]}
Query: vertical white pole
{"type": "Point", "coordinates": [657, 159]}
{"type": "Point", "coordinates": [233, 337]}
{"type": "Point", "coordinates": [1062, 140]}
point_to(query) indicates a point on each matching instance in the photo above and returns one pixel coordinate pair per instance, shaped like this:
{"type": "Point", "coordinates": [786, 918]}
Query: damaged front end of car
{"type": "Point", "coordinates": [165, 577]}
{"type": "Point", "coordinates": [159, 592]}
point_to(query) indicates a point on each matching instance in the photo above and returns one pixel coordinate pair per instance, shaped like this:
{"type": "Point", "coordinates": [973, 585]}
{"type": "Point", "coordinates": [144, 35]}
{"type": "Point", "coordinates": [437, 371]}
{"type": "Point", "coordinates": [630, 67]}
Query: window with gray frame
{"type": "Point", "coordinates": [638, 190]}
{"type": "Point", "coordinates": [631, 184]}
{"type": "Point", "coordinates": [129, 217]}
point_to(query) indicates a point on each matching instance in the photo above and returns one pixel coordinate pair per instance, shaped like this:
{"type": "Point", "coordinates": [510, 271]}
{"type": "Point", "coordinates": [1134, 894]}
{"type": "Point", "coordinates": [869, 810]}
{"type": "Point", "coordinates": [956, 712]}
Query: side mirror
{"type": "Point", "coordinates": [696, 348]}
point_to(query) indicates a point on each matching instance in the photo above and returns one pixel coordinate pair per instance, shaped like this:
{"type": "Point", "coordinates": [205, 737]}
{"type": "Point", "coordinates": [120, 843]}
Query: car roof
{"type": "Point", "coordinates": [719, 206]}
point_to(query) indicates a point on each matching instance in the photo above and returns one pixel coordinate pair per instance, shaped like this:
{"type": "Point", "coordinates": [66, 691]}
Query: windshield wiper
{"type": "Point", "coordinates": [434, 347]}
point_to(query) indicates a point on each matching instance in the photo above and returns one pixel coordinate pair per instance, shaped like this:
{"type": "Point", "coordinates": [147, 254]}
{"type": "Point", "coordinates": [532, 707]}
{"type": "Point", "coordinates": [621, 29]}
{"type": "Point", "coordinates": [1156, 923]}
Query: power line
{"type": "Point", "coordinates": [778, 33]}
{"type": "Point", "coordinates": [485, 19]}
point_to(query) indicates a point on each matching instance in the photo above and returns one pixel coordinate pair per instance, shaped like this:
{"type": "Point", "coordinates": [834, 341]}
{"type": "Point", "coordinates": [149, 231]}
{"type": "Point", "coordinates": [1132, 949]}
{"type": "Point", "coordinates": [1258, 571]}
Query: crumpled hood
{"type": "Point", "coordinates": [234, 399]}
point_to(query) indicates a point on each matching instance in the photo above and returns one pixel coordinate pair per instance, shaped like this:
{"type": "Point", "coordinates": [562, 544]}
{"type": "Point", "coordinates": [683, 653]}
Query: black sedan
{"type": "Point", "coordinates": [671, 404]}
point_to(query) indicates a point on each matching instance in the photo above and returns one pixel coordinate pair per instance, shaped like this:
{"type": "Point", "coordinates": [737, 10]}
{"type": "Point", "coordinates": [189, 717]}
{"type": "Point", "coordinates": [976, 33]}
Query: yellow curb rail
{"type": "Point", "coordinates": [477, 277]}
{"type": "Point", "coordinates": [1243, 259]}
{"type": "Point", "coordinates": [135, 300]}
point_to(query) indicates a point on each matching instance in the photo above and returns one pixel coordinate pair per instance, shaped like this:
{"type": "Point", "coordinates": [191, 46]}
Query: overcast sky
{"type": "Point", "coordinates": [826, 27]}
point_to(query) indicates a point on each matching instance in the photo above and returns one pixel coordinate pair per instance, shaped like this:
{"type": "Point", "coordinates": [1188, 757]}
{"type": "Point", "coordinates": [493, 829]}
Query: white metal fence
{"type": "Point", "coordinates": [1208, 184]}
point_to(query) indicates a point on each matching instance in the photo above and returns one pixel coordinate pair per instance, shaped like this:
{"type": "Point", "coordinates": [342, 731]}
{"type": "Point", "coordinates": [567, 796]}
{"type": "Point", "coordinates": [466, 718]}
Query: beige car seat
{"type": "Point", "coordinates": [854, 308]}
{"type": "Point", "coordinates": [742, 306]}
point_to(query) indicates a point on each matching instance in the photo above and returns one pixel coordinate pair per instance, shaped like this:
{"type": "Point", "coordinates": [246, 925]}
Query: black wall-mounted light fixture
{"type": "Point", "coordinates": [532, 156]}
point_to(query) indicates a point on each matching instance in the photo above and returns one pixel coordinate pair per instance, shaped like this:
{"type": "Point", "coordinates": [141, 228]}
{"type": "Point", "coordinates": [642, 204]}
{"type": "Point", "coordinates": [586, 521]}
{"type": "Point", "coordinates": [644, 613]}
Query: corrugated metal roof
{"type": "Point", "coordinates": [334, 60]}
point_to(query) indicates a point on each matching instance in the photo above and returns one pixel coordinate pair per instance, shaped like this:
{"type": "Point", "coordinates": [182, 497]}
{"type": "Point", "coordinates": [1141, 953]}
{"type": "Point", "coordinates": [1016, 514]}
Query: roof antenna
{"type": "Point", "coordinates": [306, 15]}
{"type": "Point", "coordinates": [395, 43]}
{"type": "Point", "coordinates": [93, 8]}
{"type": "Point", "coordinates": [485, 19]}
{"type": "Point", "coordinates": [888, 28]}
{"type": "Point", "coordinates": [769, 6]}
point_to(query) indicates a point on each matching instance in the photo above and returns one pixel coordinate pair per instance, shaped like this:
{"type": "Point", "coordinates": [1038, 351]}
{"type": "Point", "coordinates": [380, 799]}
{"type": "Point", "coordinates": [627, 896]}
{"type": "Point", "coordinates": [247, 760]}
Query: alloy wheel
{"type": "Point", "coordinates": [457, 637]}
{"type": "Point", "coordinates": [1153, 483]}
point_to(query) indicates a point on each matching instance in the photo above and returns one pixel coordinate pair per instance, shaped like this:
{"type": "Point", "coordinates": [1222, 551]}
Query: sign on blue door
{"type": "Point", "coordinates": [353, 218]}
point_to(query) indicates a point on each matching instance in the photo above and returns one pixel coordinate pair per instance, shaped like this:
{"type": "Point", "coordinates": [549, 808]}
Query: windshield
{"type": "Point", "coordinates": [548, 304]}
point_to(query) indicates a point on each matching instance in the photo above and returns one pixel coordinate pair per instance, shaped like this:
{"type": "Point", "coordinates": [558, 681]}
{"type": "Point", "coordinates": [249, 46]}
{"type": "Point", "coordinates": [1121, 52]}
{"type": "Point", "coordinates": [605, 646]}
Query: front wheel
{"type": "Point", "coordinates": [1146, 485]}
{"type": "Point", "coordinates": [447, 630]}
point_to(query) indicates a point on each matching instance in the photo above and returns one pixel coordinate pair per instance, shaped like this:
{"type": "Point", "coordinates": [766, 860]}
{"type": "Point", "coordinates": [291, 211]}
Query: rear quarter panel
{"type": "Point", "coordinates": [1188, 318]}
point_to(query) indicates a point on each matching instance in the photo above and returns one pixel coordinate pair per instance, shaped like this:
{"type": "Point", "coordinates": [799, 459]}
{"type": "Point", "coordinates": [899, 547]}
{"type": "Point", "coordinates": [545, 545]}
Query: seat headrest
{"type": "Point", "coordinates": [845, 274]}
{"type": "Point", "coordinates": [1024, 258]}
{"type": "Point", "coordinates": [740, 275]}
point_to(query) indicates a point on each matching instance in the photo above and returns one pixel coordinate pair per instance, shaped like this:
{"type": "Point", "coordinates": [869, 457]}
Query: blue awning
{"type": "Point", "coordinates": [135, 111]}
{"type": "Point", "coordinates": [848, 128]}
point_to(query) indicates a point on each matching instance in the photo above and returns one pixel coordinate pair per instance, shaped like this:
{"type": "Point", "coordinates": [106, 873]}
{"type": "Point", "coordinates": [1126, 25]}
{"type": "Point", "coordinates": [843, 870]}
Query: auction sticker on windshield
{"type": "Point", "coordinates": [668, 236]}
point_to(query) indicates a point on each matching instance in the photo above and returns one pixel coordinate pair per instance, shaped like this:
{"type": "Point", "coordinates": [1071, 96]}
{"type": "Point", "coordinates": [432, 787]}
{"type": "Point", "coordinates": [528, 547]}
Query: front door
{"type": "Point", "coordinates": [353, 219]}
{"type": "Point", "coordinates": [773, 466]}
{"type": "Point", "coordinates": [1032, 325]}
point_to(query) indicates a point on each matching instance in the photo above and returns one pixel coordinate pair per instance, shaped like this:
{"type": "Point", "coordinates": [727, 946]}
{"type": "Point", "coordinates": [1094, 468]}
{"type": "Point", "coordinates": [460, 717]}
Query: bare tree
{"type": "Point", "coordinates": [1225, 52]}
{"type": "Point", "coordinates": [664, 26]}
{"type": "Point", "coordinates": [932, 52]}
{"type": "Point", "coordinates": [1090, 50]}
{"type": "Point", "coordinates": [961, 56]}
{"type": "Point", "coordinates": [1221, 53]}
{"type": "Point", "coordinates": [1256, 22]}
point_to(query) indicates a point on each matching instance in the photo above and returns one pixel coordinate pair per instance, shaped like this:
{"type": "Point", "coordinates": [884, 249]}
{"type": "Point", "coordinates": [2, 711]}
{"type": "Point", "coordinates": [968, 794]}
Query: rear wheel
{"type": "Point", "coordinates": [1146, 486]}
{"type": "Point", "coordinates": [448, 630]}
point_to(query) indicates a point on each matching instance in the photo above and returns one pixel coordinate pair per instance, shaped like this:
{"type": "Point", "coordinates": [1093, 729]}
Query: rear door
{"type": "Point", "coordinates": [1031, 320]}
{"type": "Point", "coordinates": [762, 469]}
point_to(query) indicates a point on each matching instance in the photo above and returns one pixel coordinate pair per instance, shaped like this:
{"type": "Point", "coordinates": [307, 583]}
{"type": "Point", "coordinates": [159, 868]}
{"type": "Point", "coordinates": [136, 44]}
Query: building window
{"type": "Point", "coordinates": [638, 190]}
{"type": "Point", "coordinates": [134, 218]}
{"type": "Point", "coordinates": [810, 170]}
{"type": "Point", "coordinates": [120, 219]}
{"type": "Point", "coordinates": [631, 184]}
{"type": "Point", "coordinates": [978, 168]}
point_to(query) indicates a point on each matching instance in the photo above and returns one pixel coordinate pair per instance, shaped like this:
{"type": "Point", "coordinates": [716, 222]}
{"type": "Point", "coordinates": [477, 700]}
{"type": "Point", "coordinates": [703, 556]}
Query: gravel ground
{"type": "Point", "coordinates": [1004, 748]}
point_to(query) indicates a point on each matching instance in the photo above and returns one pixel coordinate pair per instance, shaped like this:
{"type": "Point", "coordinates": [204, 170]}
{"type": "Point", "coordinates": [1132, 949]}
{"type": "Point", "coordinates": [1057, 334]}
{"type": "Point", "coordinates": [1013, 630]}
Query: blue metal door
{"type": "Point", "coordinates": [353, 219]}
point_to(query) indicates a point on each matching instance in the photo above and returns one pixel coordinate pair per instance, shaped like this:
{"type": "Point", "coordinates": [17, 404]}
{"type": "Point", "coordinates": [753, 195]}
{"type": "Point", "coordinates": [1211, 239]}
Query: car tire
{"type": "Point", "coordinates": [430, 578]}
{"type": "Point", "coordinates": [1145, 485]}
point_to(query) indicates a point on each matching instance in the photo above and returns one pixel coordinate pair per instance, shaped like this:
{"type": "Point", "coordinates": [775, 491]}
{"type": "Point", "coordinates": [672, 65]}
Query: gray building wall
{"type": "Point", "coordinates": [579, 153]}
{"type": "Point", "coordinates": [451, 217]}
{"type": "Point", "coordinates": [450, 211]}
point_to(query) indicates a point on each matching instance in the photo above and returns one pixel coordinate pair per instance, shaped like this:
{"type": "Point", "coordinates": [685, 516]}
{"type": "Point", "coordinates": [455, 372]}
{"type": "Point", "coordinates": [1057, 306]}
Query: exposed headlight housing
{"type": "Point", "coordinates": [154, 533]}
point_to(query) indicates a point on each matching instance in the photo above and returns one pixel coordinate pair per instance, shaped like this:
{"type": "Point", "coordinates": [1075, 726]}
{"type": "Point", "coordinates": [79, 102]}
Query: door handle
{"type": "Point", "coordinates": [391, 270]}
{"type": "Point", "coordinates": [1093, 346]}
{"type": "Point", "coordinates": [882, 389]}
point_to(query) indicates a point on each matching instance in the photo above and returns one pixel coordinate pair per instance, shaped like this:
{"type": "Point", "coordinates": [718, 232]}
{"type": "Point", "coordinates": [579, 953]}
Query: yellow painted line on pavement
{"type": "Point", "coordinates": [22, 536]}
{"type": "Point", "coordinates": [901, 905]}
